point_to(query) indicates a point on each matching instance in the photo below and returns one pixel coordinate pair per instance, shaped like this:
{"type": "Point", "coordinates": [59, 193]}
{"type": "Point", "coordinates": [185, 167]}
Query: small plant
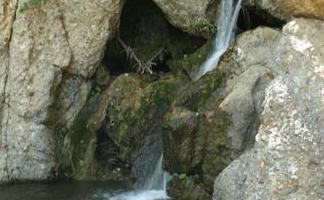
{"type": "Point", "coordinates": [94, 97]}
{"type": "Point", "coordinates": [182, 176]}
{"type": "Point", "coordinates": [204, 25]}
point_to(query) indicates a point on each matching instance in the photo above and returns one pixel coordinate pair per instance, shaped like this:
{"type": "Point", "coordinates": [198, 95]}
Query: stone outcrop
{"type": "Point", "coordinates": [287, 158]}
{"type": "Point", "coordinates": [195, 17]}
{"type": "Point", "coordinates": [287, 9]}
{"type": "Point", "coordinates": [247, 79]}
{"type": "Point", "coordinates": [47, 54]}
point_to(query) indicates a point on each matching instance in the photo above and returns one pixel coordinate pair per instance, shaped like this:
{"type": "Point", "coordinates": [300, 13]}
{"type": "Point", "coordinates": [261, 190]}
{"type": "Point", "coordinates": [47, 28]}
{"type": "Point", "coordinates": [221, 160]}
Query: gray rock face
{"type": "Point", "coordinates": [91, 22]}
{"type": "Point", "coordinates": [41, 45]}
{"type": "Point", "coordinates": [38, 52]}
{"type": "Point", "coordinates": [287, 159]}
{"type": "Point", "coordinates": [245, 87]}
{"type": "Point", "coordinates": [195, 17]}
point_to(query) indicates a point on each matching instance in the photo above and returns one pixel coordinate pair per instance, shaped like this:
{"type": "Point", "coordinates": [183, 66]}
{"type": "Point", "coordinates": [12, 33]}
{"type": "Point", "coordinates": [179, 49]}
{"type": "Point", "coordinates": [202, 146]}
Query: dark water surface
{"type": "Point", "coordinates": [62, 191]}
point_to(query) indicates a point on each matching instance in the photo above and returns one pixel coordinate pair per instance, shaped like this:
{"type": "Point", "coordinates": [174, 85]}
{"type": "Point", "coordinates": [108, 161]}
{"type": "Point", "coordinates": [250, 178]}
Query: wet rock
{"type": "Point", "coordinates": [287, 158]}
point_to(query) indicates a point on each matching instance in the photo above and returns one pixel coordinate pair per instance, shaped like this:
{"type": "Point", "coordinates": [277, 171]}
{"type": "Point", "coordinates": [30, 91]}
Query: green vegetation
{"type": "Point", "coordinates": [182, 176]}
{"type": "Point", "coordinates": [94, 97]}
{"type": "Point", "coordinates": [203, 26]}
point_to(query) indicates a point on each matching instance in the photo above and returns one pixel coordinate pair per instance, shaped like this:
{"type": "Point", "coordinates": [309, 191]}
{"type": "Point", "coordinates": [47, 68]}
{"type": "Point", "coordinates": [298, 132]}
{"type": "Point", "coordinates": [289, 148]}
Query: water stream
{"type": "Point", "coordinates": [153, 189]}
{"type": "Point", "coordinates": [225, 34]}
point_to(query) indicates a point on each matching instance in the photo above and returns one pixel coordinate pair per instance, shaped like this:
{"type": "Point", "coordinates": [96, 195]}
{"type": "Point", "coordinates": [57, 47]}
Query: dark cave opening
{"type": "Point", "coordinates": [144, 28]}
{"type": "Point", "coordinates": [251, 18]}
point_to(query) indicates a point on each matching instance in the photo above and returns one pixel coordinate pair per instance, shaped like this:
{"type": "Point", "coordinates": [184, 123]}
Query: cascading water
{"type": "Point", "coordinates": [225, 33]}
{"type": "Point", "coordinates": [154, 188]}
{"type": "Point", "coordinates": [159, 178]}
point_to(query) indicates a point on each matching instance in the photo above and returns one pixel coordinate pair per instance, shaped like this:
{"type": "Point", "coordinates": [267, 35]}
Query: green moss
{"type": "Point", "coordinates": [83, 137]}
{"type": "Point", "coordinates": [203, 26]}
{"type": "Point", "coordinates": [218, 146]}
{"type": "Point", "coordinates": [94, 97]}
{"type": "Point", "coordinates": [134, 108]}
{"type": "Point", "coordinates": [159, 93]}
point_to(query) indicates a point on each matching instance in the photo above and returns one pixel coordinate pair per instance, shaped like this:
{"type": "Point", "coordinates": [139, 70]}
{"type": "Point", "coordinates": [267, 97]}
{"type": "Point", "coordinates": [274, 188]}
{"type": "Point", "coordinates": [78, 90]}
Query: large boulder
{"type": "Point", "coordinates": [119, 130]}
{"type": "Point", "coordinates": [287, 158]}
{"type": "Point", "coordinates": [287, 9]}
{"type": "Point", "coordinates": [133, 120]}
{"type": "Point", "coordinates": [195, 17]}
{"type": "Point", "coordinates": [48, 50]}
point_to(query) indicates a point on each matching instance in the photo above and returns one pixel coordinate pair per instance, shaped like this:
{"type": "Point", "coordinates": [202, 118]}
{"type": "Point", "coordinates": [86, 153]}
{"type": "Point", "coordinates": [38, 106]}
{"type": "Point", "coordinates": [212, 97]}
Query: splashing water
{"type": "Point", "coordinates": [225, 33]}
{"type": "Point", "coordinates": [154, 188]}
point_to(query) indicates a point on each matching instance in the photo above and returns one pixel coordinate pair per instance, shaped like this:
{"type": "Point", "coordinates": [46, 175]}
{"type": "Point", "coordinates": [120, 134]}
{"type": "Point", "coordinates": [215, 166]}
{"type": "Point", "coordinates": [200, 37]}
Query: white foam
{"type": "Point", "coordinates": [141, 195]}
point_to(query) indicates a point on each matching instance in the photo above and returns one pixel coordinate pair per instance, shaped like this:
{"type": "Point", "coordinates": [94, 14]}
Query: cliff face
{"type": "Point", "coordinates": [48, 51]}
{"type": "Point", "coordinates": [71, 104]}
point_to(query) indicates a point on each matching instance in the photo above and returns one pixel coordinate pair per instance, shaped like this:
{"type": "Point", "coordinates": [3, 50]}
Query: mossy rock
{"type": "Point", "coordinates": [190, 63]}
{"type": "Point", "coordinates": [217, 147]}
{"type": "Point", "coordinates": [195, 130]}
{"type": "Point", "coordinates": [184, 141]}
{"type": "Point", "coordinates": [180, 128]}
{"type": "Point", "coordinates": [187, 188]}
{"type": "Point", "coordinates": [77, 143]}
{"type": "Point", "coordinates": [134, 107]}
{"type": "Point", "coordinates": [78, 159]}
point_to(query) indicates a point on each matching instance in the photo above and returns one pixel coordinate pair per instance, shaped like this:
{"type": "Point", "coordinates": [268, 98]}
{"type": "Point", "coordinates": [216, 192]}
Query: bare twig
{"type": "Point", "coordinates": [141, 67]}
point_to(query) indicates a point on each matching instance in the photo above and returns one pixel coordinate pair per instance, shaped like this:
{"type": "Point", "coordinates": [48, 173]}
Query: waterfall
{"type": "Point", "coordinates": [154, 187]}
{"type": "Point", "coordinates": [225, 33]}
{"type": "Point", "coordinates": [158, 179]}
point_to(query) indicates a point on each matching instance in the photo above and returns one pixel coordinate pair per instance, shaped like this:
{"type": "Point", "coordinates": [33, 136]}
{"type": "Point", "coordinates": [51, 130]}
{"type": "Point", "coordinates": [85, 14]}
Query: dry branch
{"type": "Point", "coordinates": [141, 67]}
